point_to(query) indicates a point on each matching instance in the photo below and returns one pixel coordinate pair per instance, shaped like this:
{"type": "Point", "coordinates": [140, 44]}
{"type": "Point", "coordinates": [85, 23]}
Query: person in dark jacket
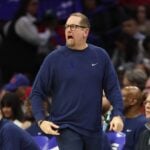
{"type": "Point", "coordinates": [144, 139]}
{"type": "Point", "coordinates": [134, 118]}
{"type": "Point", "coordinates": [15, 138]}
{"type": "Point", "coordinates": [19, 49]}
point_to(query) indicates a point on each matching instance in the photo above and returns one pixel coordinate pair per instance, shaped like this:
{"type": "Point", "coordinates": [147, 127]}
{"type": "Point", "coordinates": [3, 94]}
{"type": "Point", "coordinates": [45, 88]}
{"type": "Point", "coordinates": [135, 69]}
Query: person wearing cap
{"type": "Point", "coordinates": [18, 84]}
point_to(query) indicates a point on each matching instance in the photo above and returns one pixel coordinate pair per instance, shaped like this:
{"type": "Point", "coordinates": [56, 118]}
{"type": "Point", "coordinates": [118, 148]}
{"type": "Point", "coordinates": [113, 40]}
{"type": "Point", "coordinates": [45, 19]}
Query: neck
{"type": "Point", "coordinates": [132, 112]}
{"type": "Point", "coordinates": [80, 47]}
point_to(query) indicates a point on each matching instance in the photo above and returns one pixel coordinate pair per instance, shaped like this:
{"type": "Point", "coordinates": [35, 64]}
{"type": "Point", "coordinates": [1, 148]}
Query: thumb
{"type": "Point", "coordinates": [54, 125]}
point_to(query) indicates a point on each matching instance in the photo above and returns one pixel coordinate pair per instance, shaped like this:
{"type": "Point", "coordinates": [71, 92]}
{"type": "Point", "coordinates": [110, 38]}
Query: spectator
{"type": "Point", "coordinates": [145, 63]}
{"type": "Point", "coordinates": [57, 37]}
{"type": "Point", "coordinates": [135, 77]}
{"type": "Point", "coordinates": [11, 109]}
{"type": "Point", "coordinates": [130, 27]}
{"type": "Point", "coordinates": [13, 137]}
{"type": "Point", "coordinates": [125, 50]}
{"type": "Point", "coordinates": [143, 19]}
{"type": "Point", "coordinates": [134, 119]}
{"type": "Point", "coordinates": [18, 84]}
{"type": "Point", "coordinates": [19, 48]}
{"type": "Point", "coordinates": [143, 143]}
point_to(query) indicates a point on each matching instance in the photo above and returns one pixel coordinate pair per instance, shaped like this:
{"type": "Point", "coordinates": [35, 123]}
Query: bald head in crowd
{"type": "Point", "coordinates": [132, 99]}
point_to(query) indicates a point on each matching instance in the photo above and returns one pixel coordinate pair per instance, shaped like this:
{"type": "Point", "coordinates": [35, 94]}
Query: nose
{"type": "Point", "coordinates": [68, 32]}
{"type": "Point", "coordinates": [68, 29]}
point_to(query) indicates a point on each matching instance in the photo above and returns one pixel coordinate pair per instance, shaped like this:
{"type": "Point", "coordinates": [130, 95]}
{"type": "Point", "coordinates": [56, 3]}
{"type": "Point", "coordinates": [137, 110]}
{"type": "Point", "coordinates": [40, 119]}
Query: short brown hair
{"type": "Point", "coordinates": [84, 19]}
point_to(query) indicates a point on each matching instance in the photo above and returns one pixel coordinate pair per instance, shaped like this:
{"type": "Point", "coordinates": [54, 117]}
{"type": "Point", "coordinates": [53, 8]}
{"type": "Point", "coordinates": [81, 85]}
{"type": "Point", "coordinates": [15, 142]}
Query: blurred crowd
{"type": "Point", "coordinates": [35, 28]}
{"type": "Point", "coordinates": [31, 30]}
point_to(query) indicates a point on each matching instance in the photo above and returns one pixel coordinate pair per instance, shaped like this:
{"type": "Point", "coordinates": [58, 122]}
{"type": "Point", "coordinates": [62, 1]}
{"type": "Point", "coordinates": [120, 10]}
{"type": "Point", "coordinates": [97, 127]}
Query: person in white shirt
{"type": "Point", "coordinates": [22, 40]}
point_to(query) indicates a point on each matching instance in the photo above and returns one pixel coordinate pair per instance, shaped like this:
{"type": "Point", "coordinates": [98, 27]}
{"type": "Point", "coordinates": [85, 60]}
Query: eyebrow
{"type": "Point", "coordinates": [67, 25]}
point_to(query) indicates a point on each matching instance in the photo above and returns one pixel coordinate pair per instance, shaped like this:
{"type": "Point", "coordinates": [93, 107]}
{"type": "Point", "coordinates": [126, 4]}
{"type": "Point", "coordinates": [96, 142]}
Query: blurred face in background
{"type": "Point", "coordinates": [141, 13]}
{"type": "Point", "coordinates": [7, 112]}
{"type": "Point", "coordinates": [147, 106]}
{"type": "Point", "coordinates": [147, 86]}
{"type": "Point", "coordinates": [33, 7]}
{"type": "Point", "coordinates": [27, 108]}
{"type": "Point", "coordinates": [21, 92]}
{"type": "Point", "coordinates": [131, 96]}
{"type": "Point", "coordinates": [130, 27]}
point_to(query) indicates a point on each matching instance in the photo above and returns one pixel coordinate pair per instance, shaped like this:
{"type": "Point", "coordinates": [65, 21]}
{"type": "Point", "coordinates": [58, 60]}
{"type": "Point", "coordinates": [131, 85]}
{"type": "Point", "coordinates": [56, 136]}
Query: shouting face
{"type": "Point", "coordinates": [76, 33]}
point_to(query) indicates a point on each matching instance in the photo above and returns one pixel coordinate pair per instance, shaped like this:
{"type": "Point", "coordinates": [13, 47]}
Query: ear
{"type": "Point", "coordinates": [86, 32]}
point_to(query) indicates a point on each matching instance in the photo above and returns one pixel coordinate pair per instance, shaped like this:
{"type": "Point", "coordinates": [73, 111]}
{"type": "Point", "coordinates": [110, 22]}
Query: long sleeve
{"type": "Point", "coordinates": [15, 138]}
{"type": "Point", "coordinates": [112, 88]}
{"type": "Point", "coordinates": [28, 31]}
{"type": "Point", "coordinates": [41, 89]}
{"type": "Point", "coordinates": [76, 81]}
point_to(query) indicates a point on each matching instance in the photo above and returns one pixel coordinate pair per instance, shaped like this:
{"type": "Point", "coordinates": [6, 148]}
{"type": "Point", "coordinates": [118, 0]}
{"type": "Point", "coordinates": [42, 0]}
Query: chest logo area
{"type": "Point", "coordinates": [94, 64]}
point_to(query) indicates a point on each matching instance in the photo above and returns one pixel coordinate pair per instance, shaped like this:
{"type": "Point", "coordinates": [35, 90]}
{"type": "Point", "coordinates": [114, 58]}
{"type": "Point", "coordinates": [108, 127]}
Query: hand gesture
{"type": "Point", "coordinates": [116, 124]}
{"type": "Point", "coordinates": [49, 127]}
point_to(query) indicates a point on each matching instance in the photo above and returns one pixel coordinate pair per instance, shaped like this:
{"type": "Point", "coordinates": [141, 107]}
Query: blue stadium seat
{"type": "Point", "coordinates": [42, 141]}
{"type": "Point", "coordinates": [53, 144]}
{"type": "Point", "coordinates": [117, 139]}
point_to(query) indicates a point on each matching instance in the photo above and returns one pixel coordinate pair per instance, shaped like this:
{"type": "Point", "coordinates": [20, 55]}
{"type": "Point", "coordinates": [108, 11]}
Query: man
{"type": "Point", "coordinates": [130, 27]}
{"type": "Point", "coordinates": [144, 139]}
{"type": "Point", "coordinates": [135, 77]}
{"type": "Point", "coordinates": [13, 137]}
{"type": "Point", "coordinates": [147, 105]}
{"type": "Point", "coordinates": [18, 84]}
{"type": "Point", "coordinates": [134, 119]}
{"type": "Point", "coordinates": [75, 75]}
{"type": "Point", "coordinates": [22, 38]}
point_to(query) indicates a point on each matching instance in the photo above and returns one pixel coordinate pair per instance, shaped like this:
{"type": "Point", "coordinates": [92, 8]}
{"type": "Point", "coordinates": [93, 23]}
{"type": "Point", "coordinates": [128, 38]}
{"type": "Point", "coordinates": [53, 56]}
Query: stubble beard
{"type": "Point", "coordinates": [70, 43]}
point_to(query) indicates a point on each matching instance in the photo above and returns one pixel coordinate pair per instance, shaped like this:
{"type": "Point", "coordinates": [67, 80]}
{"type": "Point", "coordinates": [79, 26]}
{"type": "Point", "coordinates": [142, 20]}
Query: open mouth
{"type": "Point", "coordinates": [70, 37]}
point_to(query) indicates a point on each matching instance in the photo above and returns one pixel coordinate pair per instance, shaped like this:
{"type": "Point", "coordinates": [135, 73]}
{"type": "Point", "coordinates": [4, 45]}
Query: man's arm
{"type": "Point", "coordinates": [113, 94]}
{"type": "Point", "coordinates": [40, 90]}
